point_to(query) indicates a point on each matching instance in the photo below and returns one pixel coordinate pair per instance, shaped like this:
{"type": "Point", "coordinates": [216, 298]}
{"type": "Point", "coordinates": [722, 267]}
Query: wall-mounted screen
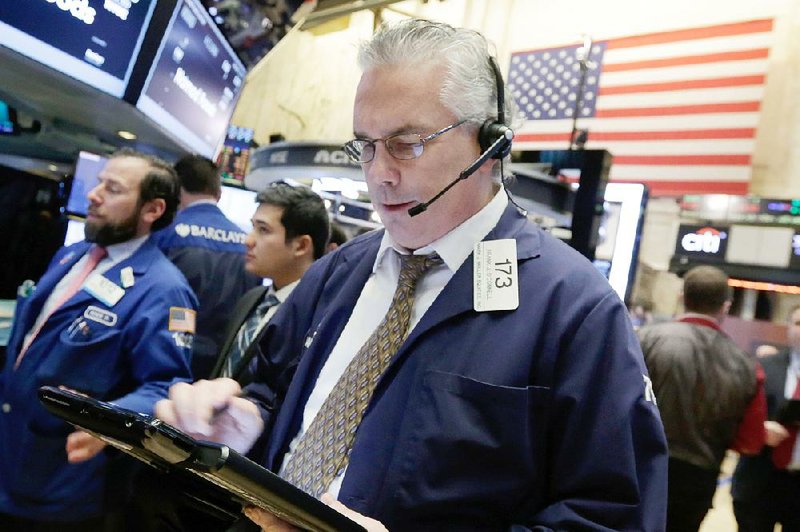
{"type": "Point", "coordinates": [94, 41]}
{"type": "Point", "coordinates": [238, 205]}
{"type": "Point", "coordinates": [85, 179]}
{"type": "Point", "coordinates": [617, 248]}
{"type": "Point", "coordinates": [8, 120]}
{"type": "Point", "coordinates": [192, 87]}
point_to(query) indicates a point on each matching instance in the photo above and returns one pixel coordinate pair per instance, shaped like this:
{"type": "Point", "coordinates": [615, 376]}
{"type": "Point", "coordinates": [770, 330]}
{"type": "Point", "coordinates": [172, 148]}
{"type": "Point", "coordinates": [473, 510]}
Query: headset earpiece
{"type": "Point", "coordinates": [491, 130]}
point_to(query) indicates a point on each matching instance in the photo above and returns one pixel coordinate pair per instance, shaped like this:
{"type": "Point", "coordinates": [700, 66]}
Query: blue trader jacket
{"type": "Point", "coordinates": [125, 353]}
{"type": "Point", "coordinates": [537, 418]}
{"type": "Point", "coordinates": [209, 250]}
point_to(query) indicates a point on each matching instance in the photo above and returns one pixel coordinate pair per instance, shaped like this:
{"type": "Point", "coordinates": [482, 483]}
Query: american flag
{"type": "Point", "coordinates": [678, 110]}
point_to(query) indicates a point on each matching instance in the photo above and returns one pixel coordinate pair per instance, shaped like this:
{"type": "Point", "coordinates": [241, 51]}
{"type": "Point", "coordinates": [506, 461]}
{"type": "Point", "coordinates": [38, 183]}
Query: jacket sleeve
{"type": "Point", "coordinates": [157, 356]}
{"type": "Point", "coordinates": [607, 448]}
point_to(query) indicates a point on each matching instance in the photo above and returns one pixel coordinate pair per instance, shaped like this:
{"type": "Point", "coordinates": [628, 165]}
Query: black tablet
{"type": "Point", "coordinates": [216, 473]}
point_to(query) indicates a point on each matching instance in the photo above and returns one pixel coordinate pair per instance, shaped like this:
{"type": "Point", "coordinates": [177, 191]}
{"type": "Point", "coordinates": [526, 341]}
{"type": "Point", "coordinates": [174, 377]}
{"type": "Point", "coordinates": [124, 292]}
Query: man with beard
{"type": "Point", "coordinates": [111, 318]}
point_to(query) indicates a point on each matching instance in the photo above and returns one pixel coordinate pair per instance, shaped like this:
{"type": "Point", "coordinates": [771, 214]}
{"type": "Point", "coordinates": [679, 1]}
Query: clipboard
{"type": "Point", "coordinates": [215, 473]}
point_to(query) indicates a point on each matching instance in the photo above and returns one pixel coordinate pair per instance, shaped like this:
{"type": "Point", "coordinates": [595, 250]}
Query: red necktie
{"type": "Point", "coordinates": [782, 454]}
{"type": "Point", "coordinates": [96, 254]}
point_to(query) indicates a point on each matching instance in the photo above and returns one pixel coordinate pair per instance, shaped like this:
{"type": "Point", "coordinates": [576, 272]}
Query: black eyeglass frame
{"type": "Point", "coordinates": [356, 154]}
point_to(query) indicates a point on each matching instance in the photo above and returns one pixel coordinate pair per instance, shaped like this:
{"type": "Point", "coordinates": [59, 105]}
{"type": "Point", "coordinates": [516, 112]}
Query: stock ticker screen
{"type": "Point", "coordinates": [94, 41]}
{"type": "Point", "coordinates": [195, 80]}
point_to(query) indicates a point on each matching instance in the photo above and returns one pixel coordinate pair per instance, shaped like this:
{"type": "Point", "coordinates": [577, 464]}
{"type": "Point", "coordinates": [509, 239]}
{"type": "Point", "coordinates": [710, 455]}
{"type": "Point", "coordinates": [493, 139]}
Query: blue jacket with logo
{"type": "Point", "coordinates": [535, 418]}
{"type": "Point", "coordinates": [123, 353]}
{"type": "Point", "coordinates": [209, 250]}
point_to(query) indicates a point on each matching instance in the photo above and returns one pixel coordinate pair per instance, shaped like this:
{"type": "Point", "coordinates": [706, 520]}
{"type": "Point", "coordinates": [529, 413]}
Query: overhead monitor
{"type": "Point", "coordinates": [238, 205]}
{"type": "Point", "coordinates": [85, 179]}
{"type": "Point", "coordinates": [93, 41]}
{"type": "Point", "coordinates": [194, 82]}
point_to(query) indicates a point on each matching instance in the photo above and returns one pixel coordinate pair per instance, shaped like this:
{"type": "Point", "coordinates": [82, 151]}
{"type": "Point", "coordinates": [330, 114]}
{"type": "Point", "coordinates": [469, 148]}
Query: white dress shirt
{"type": "Point", "coordinates": [376, 296]}
{"type": "Point", "coordinates": [116, 254]}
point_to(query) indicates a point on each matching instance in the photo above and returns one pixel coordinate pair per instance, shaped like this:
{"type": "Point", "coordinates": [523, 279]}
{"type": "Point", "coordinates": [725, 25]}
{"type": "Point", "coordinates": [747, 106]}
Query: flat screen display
{"type": "Point", "coordinates": [617, 249]}
{"type": "Point", "coordinates": [7, 121]}
{"type": "Point", "coordinates": [75, 232]}
{"type": "Point", "coordinates": [87, 168]}
{"type": "Point", "coordinates": [93, 41]}
{"type": "Point", "coordinates": [195, 81]}
{"type": "Point", "coordinates": [238, 205]}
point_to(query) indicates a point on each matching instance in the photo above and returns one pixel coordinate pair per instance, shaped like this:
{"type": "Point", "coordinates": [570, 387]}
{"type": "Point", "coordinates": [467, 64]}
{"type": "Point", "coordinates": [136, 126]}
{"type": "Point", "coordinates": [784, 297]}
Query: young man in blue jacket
{"type": "Point", "coordinates": [503, 388]}
{"type": "Point", "coordinates": [111, 318]}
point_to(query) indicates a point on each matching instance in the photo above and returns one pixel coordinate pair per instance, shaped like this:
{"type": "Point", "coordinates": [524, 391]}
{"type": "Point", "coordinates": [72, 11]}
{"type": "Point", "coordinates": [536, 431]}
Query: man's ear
{"type": "Point", "coordinates": [303, 245]}
{"type": "Point", "coordinates": [152, 210]}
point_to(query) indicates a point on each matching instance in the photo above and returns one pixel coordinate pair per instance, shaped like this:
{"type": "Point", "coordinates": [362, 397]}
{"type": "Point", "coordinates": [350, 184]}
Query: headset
{"type": "Point", "coordinates": [494, 138]}
{"type": "Point", "coordinates": [492, 130]}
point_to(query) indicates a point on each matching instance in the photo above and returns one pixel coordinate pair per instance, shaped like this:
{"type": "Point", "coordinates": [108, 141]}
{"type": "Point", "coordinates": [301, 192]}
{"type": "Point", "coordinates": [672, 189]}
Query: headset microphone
{"type": "Point", "coordinates": [498, 146]}
{"type": "Point", "coordinates": [494, 138]}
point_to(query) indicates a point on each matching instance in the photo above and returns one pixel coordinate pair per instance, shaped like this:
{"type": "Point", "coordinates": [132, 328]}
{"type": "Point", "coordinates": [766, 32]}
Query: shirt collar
{"type": "Point", "coordinates": [200, 202]}
{"type": "Point", "coordinates": [284, 292]}
{"type": "Point", "coordinates": [700, 319]}
{"type": "Point", "coordinates": [455, 246]}
{"type": "Point", "coordinates": [123, 250]}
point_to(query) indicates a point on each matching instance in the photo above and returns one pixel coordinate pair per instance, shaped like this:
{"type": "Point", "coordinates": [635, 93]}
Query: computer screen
{"type": "Point", "coordinates": [85, 179]}
{"type": "Point", "coordinates": [617, 249]}
{"type": "Point", "coordinates": [8, 123]}
{"type": "Point", "coordinates": [74, 232]}
{"type": "Point", "coordinates": [195, 80]}
{"type": "Point", "coordinates": [93, 41]}
{"type": "Point", "coordinates": [238, 205]}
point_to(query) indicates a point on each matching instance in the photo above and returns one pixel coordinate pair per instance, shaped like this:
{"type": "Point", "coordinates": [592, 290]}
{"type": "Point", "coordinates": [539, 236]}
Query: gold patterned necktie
{"type": "Point", "coordinates": [323, 451]}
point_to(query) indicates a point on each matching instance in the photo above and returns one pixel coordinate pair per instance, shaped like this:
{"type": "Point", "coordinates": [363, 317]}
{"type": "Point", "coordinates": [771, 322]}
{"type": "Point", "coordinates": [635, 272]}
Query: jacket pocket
{"type": "Point", "coordinates": [475, 444]}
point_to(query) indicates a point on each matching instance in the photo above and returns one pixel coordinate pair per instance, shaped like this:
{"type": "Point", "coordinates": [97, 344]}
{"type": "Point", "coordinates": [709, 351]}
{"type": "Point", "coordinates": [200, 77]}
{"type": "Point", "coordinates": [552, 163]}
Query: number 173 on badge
{"type": "Point", "coordinates": [496, 285]}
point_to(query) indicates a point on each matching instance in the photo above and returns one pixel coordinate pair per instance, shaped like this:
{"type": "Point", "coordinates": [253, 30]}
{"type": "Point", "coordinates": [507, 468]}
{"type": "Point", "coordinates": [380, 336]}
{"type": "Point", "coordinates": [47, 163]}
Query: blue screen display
{"type": "Point", "coordinates": [195, 81]}
{"type": "Point", "coordinates": [87, 168]}
{"type": "Point", "coordinates": [94, 41]}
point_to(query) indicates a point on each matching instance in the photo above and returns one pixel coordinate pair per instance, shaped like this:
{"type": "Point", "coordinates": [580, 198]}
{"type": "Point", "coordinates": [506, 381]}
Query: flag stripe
{"type": "Point", "coordinates": [683, 159]}
{"type": "Point", "coordinates": [737, 107]}
{"type": "Point", "coordinates": [684, 97]}
{"type": "Point", "coordinates": [736, 28]}
{"type": "Point", "coordinates": [688, 60]}
{"type": "Point", "coordinates": [735, 81]}
{"type": "Point", "coordinates": [690, 134]}
{"type": "Point", "coordinates": [662, 148]}
{"type": "Point", "coordinates": [649, 123]}
{"type": "Point", "coordinates": [688, 72]}
{"type": "Point", "coordinates": [751, 41]}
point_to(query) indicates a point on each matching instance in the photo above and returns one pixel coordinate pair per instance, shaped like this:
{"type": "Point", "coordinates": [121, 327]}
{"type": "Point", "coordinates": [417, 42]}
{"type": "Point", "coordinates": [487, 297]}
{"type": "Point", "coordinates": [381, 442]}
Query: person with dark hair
{"type": "Point", "coordinates": [111, 318]}
{"type": "Point", "coordinates": [338, 237]}
{"type": "Point", "coordinates": [290, 229]}
{"type": "Point", "coordinates": [710, 393]}
{"type": "Point", "coordinates": [460, 369]}
{"type": "Point", "coordinates": [766, 487]}
{"type": "Point", "coordinates": [208, 249]}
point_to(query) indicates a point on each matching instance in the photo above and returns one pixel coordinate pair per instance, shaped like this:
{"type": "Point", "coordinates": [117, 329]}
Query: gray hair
{"type": "Point", "coordinates": [469, 89]}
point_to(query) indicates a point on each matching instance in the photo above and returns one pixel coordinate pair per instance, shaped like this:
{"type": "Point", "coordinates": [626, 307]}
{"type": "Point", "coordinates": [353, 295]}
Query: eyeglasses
{"type": "Point", "coordinates": [402, 146]}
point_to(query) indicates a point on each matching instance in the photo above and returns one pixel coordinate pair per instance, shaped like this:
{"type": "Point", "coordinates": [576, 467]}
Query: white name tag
{"type": "Point", "coordinates": [103, 289]}
{"type": "Point", "coordinates": [496, 285]}
{"type": "Point", "coordinates": [126, 277]}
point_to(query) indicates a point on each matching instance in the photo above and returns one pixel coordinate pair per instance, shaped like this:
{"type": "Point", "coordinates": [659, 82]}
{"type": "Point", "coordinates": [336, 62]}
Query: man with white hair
{"type": "Point", "coordinates": [500, 386]}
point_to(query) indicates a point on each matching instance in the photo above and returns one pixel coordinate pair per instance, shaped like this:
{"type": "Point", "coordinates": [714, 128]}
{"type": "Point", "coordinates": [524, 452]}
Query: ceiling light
{"type": "Point", "coordinates": [127, 135]}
